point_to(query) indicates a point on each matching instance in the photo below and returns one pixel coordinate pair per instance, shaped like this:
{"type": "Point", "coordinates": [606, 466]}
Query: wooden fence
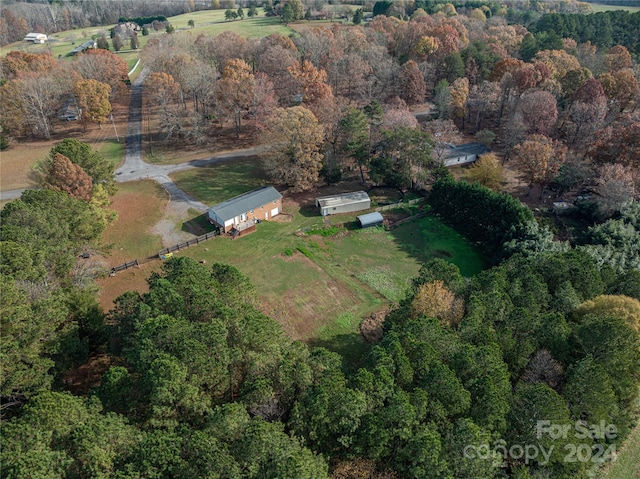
{"type": "Point", "coordinates": [124, 266]}
{"type": "Point", "coordinates": [398, 204]}
{"type": "Point", "coordinates": [186, 244]}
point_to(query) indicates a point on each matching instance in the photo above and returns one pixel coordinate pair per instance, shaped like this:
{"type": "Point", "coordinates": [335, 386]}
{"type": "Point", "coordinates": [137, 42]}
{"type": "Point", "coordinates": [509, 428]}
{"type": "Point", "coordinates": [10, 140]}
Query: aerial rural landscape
{"type": "Point", "coordinates": [320, 239]}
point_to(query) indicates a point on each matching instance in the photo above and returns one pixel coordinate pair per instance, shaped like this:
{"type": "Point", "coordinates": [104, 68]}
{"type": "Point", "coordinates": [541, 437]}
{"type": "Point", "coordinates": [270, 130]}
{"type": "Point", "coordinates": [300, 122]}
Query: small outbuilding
{"type": "Point", "coordinates": [370, 219]}
{"type": "Point", "coordinates": [463, 154]}
{"type": "Point", "coordinates": [344, 203]}
{"type": "Point", "coordinates": [241, 213]}
{"type": "Point", "coordinates": [35, 38]}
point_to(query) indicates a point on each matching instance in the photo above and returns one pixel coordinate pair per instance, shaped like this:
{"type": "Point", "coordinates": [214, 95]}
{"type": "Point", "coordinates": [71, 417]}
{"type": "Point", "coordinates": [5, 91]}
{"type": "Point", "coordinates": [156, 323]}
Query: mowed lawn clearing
{"type": "Point", "coordinates": [212, 22]}
{"type": "Point", "coordinates": [219, 182]}
{"type": "Point", "coordinates": [17, 162]}
{"type": "Point", "coordinates": [627, 464]}
{"type": "Point", "coordinates": [602, 7]}
{"type": "Point", "coordinates": [317, 285]}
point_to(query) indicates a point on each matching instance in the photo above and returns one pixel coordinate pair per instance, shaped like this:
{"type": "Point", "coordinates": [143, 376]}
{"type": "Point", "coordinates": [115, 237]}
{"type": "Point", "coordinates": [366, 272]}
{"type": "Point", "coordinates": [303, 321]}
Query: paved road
{"type": "Point", "coordinates": [135, 168]}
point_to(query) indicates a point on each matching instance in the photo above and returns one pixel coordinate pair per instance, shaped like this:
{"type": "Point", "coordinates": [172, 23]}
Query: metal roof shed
{"type": "Point", "coordinates": [370, 219]}
{"type": "Point", "coordinates": [344, 203]}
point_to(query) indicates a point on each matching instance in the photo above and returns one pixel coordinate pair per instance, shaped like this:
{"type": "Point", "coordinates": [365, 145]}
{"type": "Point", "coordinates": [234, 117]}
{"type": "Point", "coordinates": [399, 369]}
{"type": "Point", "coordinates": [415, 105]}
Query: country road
{"type": "Point", "coordinates": [134, 168]}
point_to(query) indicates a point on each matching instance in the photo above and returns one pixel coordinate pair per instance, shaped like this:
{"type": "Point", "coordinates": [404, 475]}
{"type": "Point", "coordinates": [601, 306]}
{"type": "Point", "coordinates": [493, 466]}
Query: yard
{"type": "Point", "coordinates": [317, 280]}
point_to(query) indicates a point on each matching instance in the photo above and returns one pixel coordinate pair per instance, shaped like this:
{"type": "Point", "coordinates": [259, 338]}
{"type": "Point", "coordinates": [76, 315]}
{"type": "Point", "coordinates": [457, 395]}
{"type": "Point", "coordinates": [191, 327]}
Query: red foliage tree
{"type": "Point", "coordinates": [63, 175]}
{"type": "Point", "coordinates": [539, 111]}
{"type": "Point", "coordinates": [412, 83]}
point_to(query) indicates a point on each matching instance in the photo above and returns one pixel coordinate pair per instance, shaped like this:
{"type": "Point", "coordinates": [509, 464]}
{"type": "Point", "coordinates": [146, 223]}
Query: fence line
{"type": "Point", "coordinates": [398, 204]}
{"type": "Point", "coordinates": [187, 244]}
{"type": "Point", "coordinates": [124, 266]}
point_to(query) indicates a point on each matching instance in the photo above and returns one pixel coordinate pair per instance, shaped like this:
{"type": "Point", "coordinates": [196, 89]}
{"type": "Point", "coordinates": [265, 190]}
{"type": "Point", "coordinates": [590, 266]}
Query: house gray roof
{"type": "Point", "coordinates": [245, 202]}
{"type": "Point", "coordinates": [370, 219]}
{"type": "Point", "coordinates": [343, 199]}
{"type": "Point", "coordinates": [466, 149]}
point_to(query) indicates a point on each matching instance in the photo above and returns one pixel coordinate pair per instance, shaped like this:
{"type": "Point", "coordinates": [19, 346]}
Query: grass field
{"type": "Point", "coordinates": [320, 286]}
{"type": "Point", "coordinates": [223, 181]}
{"type": "Point", "coordinates": [627, 465]}
{"type": "Point", "coordinates": [601, 7]}
{"type": "Point", "coordinates": [318, 283]}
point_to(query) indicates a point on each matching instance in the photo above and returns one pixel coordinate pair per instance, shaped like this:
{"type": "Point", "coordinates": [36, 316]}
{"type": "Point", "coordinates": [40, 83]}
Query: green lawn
{"type": "Point", "coordinates": [111, 149]}
{"type": "Point", "coordinates": [627, 464]}
{"type": "Point", "coordinates": [212, 22]}
{"type": "Point", "coordinates": [220, 182]}
{"type": "Point", "coordinates": [320, 286]}
{"type": "Point", "coordinates": [601, 7]}
{"type": "Point", "coordinates": [209, 22]}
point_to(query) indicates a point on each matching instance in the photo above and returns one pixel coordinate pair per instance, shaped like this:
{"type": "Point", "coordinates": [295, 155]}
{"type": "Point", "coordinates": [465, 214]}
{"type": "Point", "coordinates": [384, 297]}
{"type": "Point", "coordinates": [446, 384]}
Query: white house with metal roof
{"type": "Point", "coordinates": [463, 154]}
{"type": "Point", "coordinates": [244, 211]}
{"type": "Point", "coordinates": [344, 203]}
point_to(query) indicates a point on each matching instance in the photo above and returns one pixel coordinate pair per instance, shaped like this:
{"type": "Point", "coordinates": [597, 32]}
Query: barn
{"type": "Point", "coordinates": [35, 38]}
{"type": "Point", "coordinates": [344, 203]}
{"type": "Point", "coordinates": [370, 219]}
{"type": "Point", "coordinates": [463, 154]}
{"type": "Point", "coordinates": [243, 212]}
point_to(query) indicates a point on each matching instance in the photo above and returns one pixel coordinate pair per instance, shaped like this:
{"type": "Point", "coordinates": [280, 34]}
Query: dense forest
{"type": "Point", "coordinates": [203, 384]}
{"type": "Point", "coordinates": [207, 386]}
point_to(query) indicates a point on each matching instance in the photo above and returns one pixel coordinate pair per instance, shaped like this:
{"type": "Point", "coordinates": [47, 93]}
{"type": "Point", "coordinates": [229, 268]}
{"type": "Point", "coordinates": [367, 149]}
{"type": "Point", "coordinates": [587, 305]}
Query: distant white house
{"type": "Point", "coordinates": [463, 154]}
{"type": "Point", "coordinates": [35, 38]}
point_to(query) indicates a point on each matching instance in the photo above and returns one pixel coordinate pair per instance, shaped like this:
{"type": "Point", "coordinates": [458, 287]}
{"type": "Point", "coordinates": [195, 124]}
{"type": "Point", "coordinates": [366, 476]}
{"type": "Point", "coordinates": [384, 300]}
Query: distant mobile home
{"type": "Point", "coordinates": [243, 212]}
{"type": "Point", "coordinates": [463, 154]}
{"type": "Point", "coordinates": [35, 38]}
{"type": "Point", "coordinates": [344, 203]}
{"type": "Point", "coordinates": [83, 47]}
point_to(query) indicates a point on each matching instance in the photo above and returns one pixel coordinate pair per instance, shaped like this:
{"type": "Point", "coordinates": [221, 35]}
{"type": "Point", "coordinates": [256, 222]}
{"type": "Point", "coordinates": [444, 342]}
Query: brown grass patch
{"type": "Point", "coordinates": [17, 161]}
{"type": "Point", "coordinates": [303, 310]}
{"type": "Point", "coordinates": [140, 206]}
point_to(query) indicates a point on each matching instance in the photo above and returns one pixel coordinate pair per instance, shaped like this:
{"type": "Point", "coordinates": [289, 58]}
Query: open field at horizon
{"type": "Point", "coordinates": [601, 7]}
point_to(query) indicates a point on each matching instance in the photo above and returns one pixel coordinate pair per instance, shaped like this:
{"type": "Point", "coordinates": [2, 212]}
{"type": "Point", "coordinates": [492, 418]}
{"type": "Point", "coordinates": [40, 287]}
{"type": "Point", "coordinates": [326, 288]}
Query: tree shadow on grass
{"type": "Point", "coordinates": [352, 347]}
{"type": "Point", "coordinates": [309, 211]}
{"type": "Point", "coordinates": [425, 238]}
{"type": "Point", "coordinates": [198, 226]}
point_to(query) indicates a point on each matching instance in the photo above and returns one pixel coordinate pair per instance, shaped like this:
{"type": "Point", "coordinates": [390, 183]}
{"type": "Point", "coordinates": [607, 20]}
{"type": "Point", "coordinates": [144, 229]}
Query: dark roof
{"type": "Point", "coordinates": [370, 219]}
{"type": "Point", "coordinates": [466, 149]}
{"type": "Point", "coordinates": [245, 202]}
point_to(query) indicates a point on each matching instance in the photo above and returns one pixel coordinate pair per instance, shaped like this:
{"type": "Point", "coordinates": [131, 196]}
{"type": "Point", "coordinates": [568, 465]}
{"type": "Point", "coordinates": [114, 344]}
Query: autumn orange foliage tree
{"type": "Point", "coordinates": [93, 99]}
{"type": "Point", "coordinates": [434, 300]}
{"type": "Point", "coordinates": [61, 174]}
{"type": "Point", "coordinates": [235, 90]}
{"type": "Point", "coordinates": [295, 138]}
{"type": "Point", "coordinates": [539, 158]}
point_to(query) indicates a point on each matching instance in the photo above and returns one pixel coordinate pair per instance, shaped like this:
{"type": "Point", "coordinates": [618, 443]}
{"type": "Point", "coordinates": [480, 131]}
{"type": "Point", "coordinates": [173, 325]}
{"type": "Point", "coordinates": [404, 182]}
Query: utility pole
{"type": "Point", "coordinates": [114, 127]}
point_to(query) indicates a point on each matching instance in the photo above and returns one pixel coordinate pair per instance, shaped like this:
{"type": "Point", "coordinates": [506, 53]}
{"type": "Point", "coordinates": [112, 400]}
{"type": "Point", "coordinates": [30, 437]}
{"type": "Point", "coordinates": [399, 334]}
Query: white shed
{"type": "Point", "coordinates": [344, 203]}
